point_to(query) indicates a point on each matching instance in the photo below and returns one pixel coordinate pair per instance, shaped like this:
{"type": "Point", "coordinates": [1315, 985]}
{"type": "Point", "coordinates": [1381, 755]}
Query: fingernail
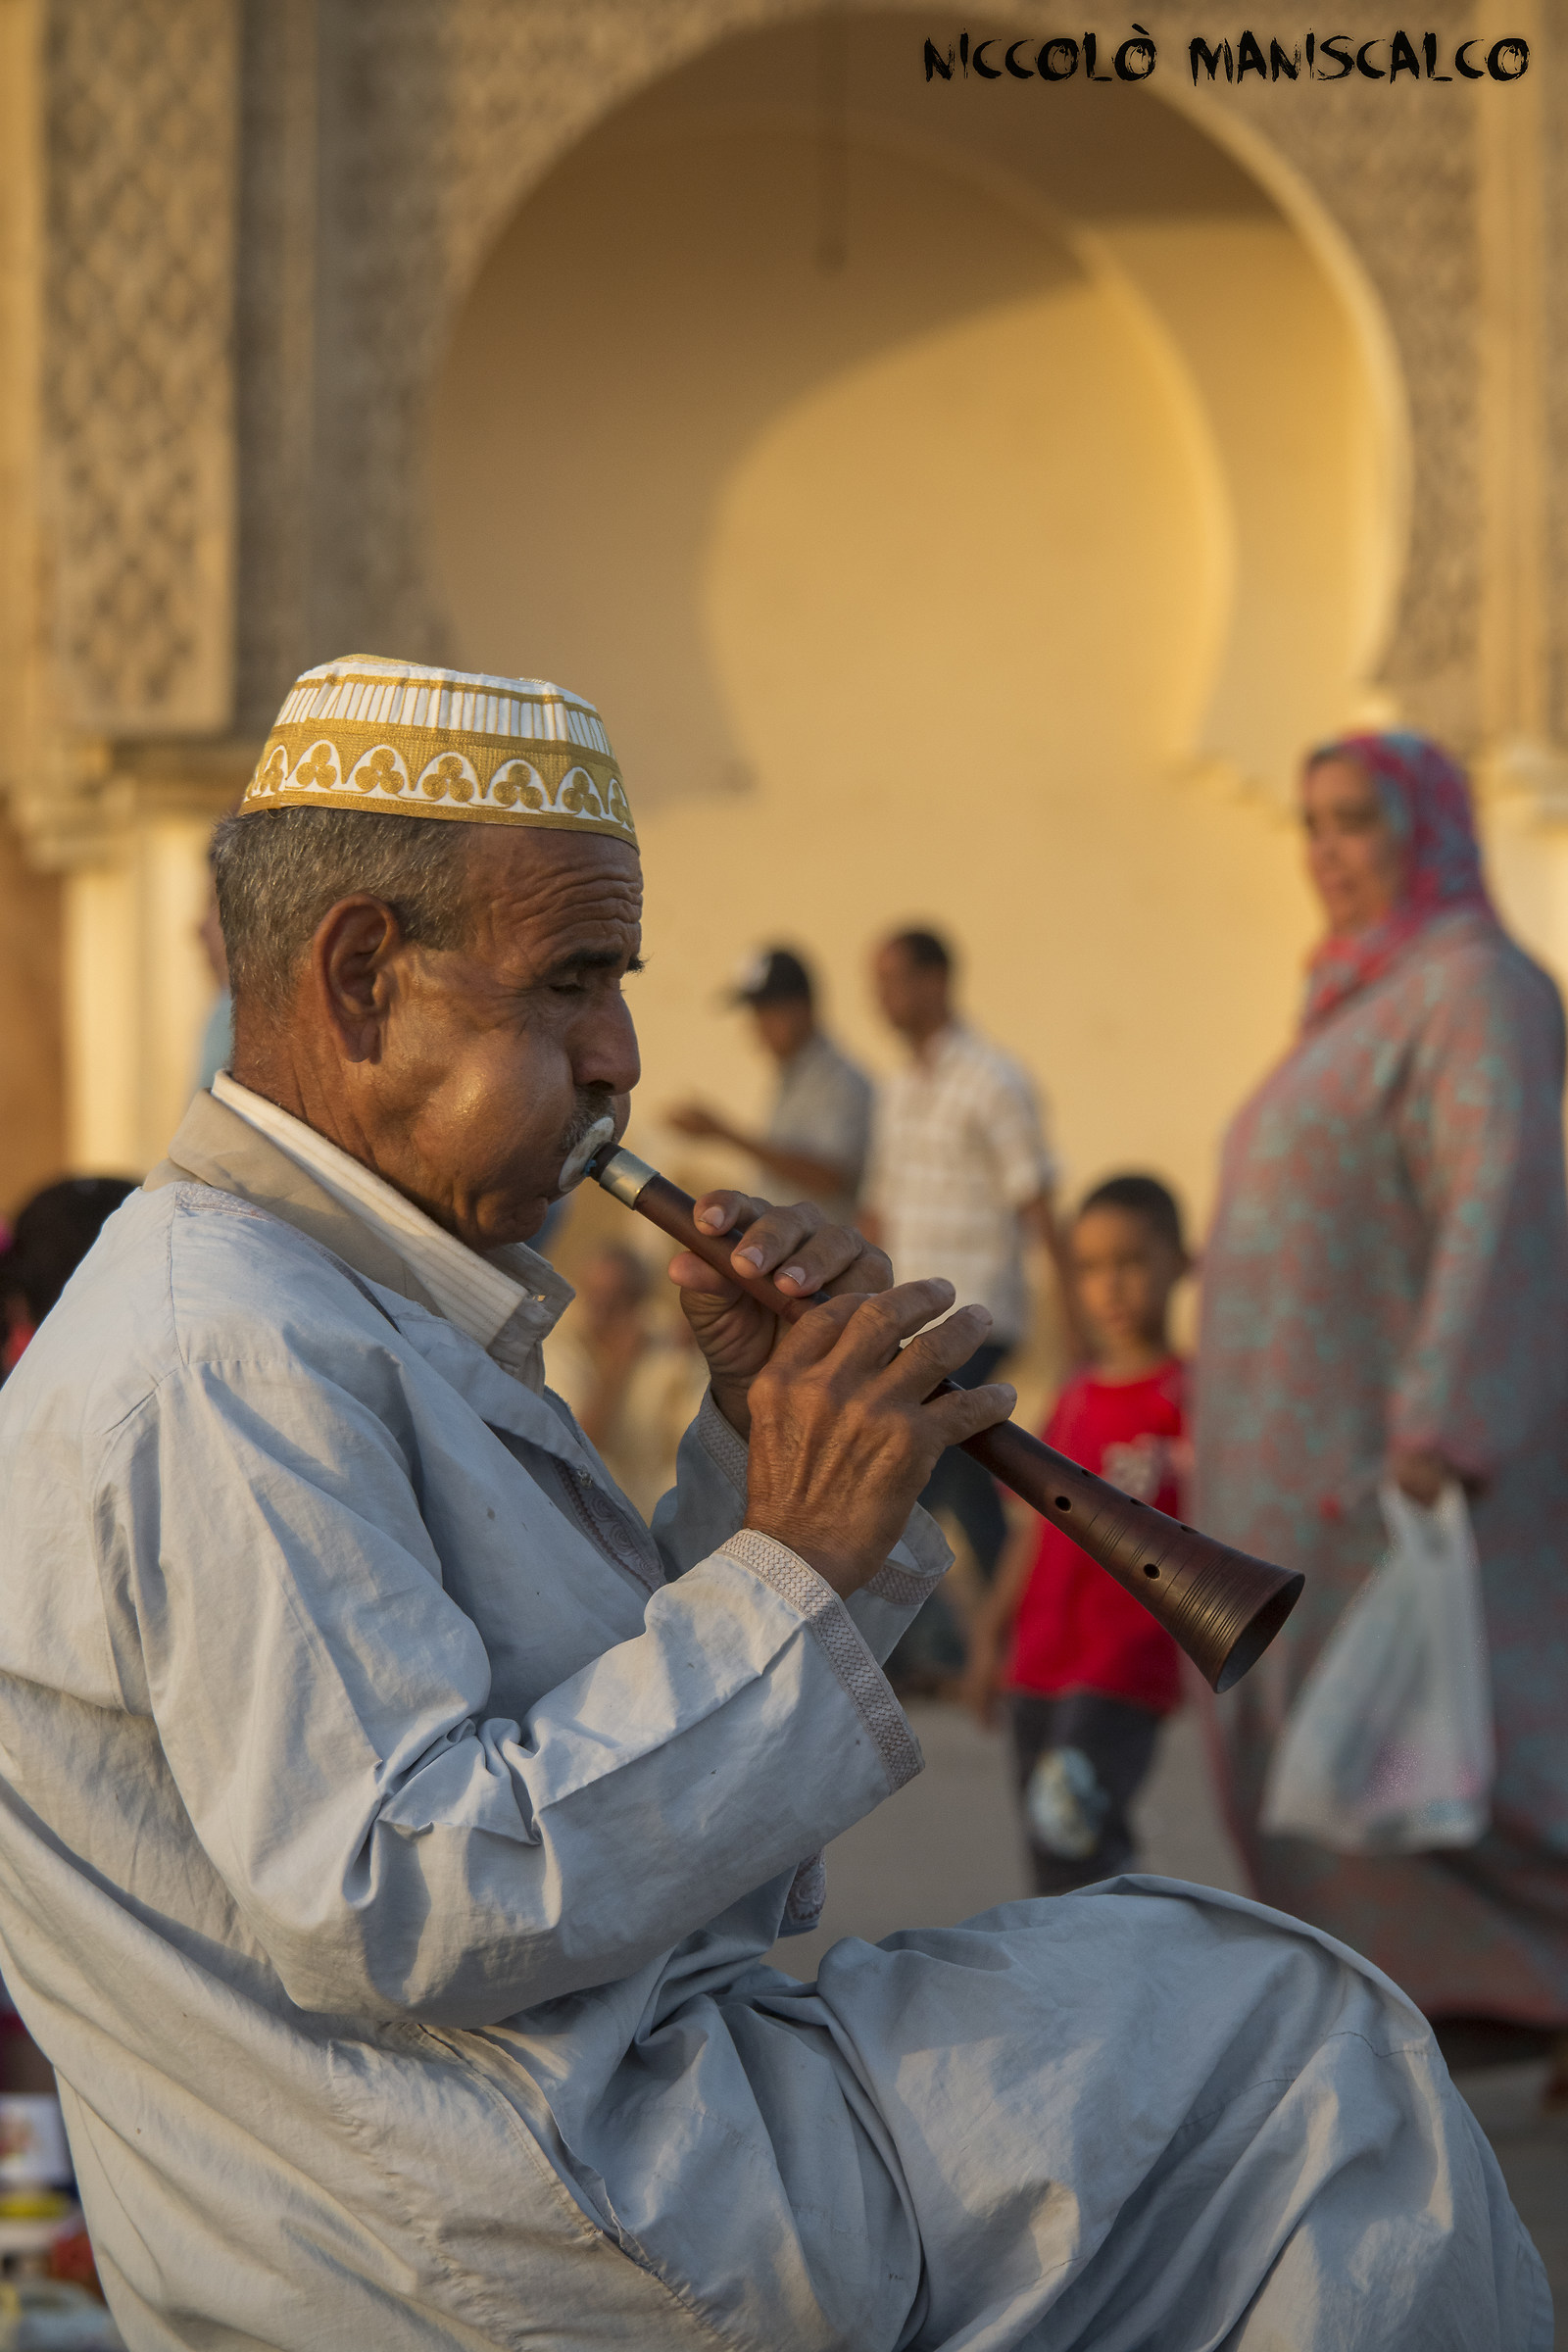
{"type": "Point", "coordinates": [795, 1274]}
{"type": "Point", "coordinates": [711, 1219]}
{"type": "Point", "coordinates": [752, 1257]}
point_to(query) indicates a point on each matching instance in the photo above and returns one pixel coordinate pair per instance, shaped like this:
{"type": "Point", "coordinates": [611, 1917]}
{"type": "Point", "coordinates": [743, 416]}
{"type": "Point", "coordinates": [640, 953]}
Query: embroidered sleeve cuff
{"type": "Point", "coordinates": [838, 1637]}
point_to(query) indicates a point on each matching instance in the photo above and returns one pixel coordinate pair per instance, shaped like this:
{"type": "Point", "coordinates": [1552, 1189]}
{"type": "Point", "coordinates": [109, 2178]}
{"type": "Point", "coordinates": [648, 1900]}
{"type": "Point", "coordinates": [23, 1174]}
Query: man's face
{"type": "Point", "coordinates": [496, 1057]}
{"type": "Point", "coordinates": [783, 1027]}
{"type": "Point", "coordinates": [914, 998]}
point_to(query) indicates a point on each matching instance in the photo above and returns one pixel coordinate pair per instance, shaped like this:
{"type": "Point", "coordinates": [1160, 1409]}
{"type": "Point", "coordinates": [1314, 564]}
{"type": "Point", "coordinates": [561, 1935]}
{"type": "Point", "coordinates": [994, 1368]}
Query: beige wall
{"type": "Point", "coordinates": [137, 992]}
{"type": "Point", "coordinates": [995, 579]}
{"type": "Point", "coordinates": [1226, 328]}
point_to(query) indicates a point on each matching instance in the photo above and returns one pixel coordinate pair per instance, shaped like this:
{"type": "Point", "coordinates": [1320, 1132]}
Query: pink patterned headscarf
{"type": "Point", "coordinates": [1426, 798]}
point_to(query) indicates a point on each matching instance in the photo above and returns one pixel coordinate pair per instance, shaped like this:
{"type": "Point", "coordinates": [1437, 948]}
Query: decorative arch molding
{"type": "Point", "coordinates": [1385, 383]}
{"type": "Point", "coordinates": [379, 153]}
{"type": "Point", "coordinates": [1386, 205]}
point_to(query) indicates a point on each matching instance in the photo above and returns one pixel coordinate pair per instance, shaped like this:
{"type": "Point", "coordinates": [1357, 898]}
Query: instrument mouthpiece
{"type": "Point", "coordinates": [624, 1176]}
{"type": "Point", "coordinates": [575, 1165]}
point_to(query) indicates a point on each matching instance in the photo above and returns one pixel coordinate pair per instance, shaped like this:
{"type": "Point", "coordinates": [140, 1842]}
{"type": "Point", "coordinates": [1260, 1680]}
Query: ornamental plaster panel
{"type": "Point", "coordinates": [140, 152]}
{"type": "Point", "coordinates": [435, 124]}
{"type": "Point", "coordinates": [1397, 169]}
{"type": "Point", "coordinates": [275, 352]}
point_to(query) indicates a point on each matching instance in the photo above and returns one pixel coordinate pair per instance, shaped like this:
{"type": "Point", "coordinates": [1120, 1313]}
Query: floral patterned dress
{"type": "Point", "coordinates": [1390, 1265]}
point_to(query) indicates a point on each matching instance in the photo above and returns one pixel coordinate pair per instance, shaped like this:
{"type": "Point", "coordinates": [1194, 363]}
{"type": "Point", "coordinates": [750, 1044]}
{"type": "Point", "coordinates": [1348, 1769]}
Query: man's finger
{"type": "Point", "coordinates": [776, 1238]}
{"type": "Point", "coordinates": [806, 1343]}
{"type": "Point", "coordinates": [694, 1273]}
{"type": "Point", "coordinates": [724, 1211]}
{"type": "Point", "coordinates": [835, 1259]}
{"type": "Point", "coordinates": [967, 1411]}
{"type": "Point", "coordinates": [932, 1354]}
{"type": "Point", "coordinates": [884, 1319]}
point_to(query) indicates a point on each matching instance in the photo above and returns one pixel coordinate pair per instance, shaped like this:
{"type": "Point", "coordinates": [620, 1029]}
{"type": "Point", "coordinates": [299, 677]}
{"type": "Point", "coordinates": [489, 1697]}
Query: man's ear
{"type": "Point", "coordinates": [352, 956]}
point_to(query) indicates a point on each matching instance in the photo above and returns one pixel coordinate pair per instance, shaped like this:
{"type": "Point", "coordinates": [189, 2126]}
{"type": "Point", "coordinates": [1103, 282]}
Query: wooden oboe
{"type": "Point", "coordinates": [1222, 1606]}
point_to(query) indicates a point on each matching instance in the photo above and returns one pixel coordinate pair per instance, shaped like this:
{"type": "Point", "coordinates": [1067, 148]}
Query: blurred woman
{"type": "Point", "coordinates": [1386, 1294]}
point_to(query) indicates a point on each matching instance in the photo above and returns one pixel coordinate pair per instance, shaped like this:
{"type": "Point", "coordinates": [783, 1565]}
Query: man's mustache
{"type": "Point", "coordinates": [594, 1103]}
{"type": "Point", "coordinates": [595, 1110]}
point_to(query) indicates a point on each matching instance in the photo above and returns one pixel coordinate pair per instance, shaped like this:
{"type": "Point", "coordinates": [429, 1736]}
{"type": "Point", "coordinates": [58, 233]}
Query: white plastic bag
{"type": "Point", "coordinates": [1389, 1746]}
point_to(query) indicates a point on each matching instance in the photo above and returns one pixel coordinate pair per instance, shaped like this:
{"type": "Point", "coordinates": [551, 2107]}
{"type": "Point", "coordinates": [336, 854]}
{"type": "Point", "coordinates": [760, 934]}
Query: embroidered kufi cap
{"type": "Point", "coordinates": [396, 737]}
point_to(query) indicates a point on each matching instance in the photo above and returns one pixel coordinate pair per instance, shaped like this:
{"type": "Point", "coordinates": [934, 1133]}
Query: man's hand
{"type": "Point", "coordinates": [795, 1245]}
{"type": "Point", "coordinates": [843, 1439]}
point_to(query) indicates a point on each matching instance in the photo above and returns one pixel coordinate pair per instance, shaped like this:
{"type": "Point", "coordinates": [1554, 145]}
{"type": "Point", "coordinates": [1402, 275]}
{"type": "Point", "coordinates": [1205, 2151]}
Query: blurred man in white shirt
{"type": "Point", "coordinates": [961, 1173]}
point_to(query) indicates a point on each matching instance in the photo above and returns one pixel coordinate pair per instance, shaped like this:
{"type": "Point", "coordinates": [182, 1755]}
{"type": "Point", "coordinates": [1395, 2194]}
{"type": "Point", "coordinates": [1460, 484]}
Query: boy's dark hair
{"type": "Point", "coordinates": [925, 950]}
{"type": "Point", "coordinates": [1141, 1196]}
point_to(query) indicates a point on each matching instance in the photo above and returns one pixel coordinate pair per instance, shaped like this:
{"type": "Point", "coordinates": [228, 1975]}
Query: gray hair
{"type": "Point", "coordinates": [278, 873]}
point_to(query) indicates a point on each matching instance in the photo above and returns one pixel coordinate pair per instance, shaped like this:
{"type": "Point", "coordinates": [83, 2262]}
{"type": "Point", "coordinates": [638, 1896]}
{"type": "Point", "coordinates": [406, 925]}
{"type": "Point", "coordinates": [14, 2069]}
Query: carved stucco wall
{"type": "Point", "coordinates": [433, 125]}
{"type": "Point", "coordinates": [1395, 169]}
{"type": "Point", "coordinates": [141, 147]}
{"type": "Point", "coordinates": [378, 152]}
{"type": "Point", "coordinates": [260, 219]}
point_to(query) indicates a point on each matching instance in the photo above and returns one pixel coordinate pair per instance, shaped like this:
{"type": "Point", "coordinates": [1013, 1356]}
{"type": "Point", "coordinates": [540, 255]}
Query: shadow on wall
{"type": "Point", "coordinates": [909, 585]}
{"type": "Point", "coordinates": [661, 304]}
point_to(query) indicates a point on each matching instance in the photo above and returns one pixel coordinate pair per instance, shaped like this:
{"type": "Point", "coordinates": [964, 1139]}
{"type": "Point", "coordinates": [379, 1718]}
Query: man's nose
{"type": "Point", "coordinates": [604, 1049]}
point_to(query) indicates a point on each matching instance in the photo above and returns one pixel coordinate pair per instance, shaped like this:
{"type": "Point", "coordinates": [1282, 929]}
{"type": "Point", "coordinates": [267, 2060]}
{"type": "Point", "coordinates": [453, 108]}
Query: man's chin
{"type": "Point", "coordinates": [516, 1220]}
{"type": "Point", "coordinates": [531, 1216]}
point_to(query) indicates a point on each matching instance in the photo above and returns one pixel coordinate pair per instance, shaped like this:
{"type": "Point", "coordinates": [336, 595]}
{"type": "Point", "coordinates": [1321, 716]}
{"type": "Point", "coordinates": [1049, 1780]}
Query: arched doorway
{"type": "Point", "coordinates": [992, 574]}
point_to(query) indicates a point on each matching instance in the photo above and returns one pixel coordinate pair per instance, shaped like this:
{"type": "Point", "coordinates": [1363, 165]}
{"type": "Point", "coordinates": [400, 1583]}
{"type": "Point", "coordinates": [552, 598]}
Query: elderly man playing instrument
{"type": "Point", "coordinates": [394, 1826]}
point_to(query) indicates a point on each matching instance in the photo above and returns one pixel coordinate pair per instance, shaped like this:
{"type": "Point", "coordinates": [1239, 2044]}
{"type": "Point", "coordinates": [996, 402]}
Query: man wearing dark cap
{"type": "Point", "coordinates": [817, 1135]}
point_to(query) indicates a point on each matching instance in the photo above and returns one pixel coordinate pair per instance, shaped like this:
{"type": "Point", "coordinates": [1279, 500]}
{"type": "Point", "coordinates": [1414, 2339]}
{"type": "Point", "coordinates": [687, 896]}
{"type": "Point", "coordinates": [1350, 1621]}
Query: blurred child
{"type": "Point", "coordinates": [1087, 1671]}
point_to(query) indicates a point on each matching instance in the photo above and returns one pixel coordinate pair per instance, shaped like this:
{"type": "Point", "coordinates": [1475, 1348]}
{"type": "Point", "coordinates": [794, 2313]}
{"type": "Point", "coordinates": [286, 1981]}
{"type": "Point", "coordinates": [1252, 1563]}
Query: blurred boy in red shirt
{"type": "Point", "coordinates": [1088, 1672]}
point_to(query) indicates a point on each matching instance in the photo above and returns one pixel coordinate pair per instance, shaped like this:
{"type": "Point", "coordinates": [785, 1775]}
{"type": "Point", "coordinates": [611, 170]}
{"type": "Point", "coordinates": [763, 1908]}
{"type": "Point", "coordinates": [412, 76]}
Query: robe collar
{"type": "Point", "coordinates": [336, 1203]}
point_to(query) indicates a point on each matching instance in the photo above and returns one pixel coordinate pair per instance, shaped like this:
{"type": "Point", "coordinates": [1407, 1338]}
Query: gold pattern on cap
{"type": "Point", "coordinates": [370, 734]}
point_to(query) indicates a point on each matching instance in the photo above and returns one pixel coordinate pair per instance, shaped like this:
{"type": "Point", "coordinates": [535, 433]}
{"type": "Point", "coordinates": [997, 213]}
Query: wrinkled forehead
{"type": "Point", "coordinates": [543, 899]}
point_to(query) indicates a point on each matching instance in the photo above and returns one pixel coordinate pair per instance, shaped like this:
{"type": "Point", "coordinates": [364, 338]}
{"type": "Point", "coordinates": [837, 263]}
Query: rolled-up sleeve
{"type": "Point", "coordinates": [323, 1705]}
